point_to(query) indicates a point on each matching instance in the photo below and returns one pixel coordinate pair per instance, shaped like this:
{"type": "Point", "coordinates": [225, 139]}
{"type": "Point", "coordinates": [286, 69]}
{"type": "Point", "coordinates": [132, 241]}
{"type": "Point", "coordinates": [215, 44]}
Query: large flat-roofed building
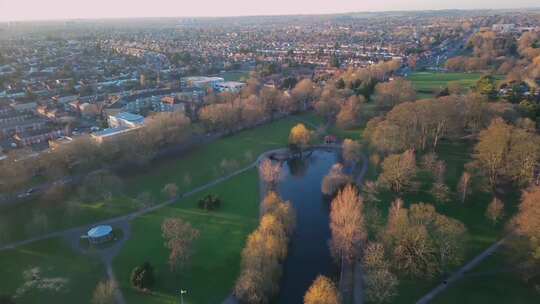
{"type": "Point", "coordinates": [126, 119]}
{"type": "Point", "coordinates": [229, 86]}
{"type": "Point", "coordinates": [201, 81]}
{"type": "Point", "coordinates": [111, 134]}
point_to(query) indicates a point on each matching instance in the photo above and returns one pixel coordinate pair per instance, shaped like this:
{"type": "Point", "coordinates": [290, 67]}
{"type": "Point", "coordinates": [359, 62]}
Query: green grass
{"type": "Point", "coordinates": [17, 221]}
{"type": "Point", "coordinates": [196, 167]}
{"type": "Point", "coordinates": [208, 162]}
{"type": "Point", "coordinates": [235, 75]}
{"type": "Point", "coordinates": [481, 232]}
{"type": "Point", "coordinates": [215, 264]}
{"type": "Point", "coordinates": [428, 83]}
{"type": "Point", "coordinates": [55, 260]}
{"type": "Point", "coordinates": [481, 286]}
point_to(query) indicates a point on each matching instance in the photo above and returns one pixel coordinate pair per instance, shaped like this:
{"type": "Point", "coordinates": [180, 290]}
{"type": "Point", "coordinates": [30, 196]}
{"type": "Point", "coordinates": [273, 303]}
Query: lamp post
{"type": "Point", "coordinates": [182, 292]}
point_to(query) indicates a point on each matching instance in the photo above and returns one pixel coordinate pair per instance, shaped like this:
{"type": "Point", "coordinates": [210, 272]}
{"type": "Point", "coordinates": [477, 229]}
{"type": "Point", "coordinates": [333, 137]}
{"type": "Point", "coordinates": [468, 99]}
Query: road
{"type": "Point", "coordinates": [460, 273]}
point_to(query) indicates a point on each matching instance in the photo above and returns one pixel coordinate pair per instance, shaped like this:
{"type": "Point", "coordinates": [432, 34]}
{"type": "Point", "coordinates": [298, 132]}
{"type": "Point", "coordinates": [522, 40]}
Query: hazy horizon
{"type": "Point", "coordinates": [30, 10]}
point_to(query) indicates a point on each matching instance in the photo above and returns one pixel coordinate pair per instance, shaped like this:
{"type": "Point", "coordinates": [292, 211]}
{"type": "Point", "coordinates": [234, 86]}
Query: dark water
{"type": "Point", "coordinates": [309, 254]}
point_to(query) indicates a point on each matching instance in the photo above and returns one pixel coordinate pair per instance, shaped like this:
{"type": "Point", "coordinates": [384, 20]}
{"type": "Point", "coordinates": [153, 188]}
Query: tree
{"type": "Point", "coordinates": [526, 245]}
{"type": "Point", "coordinates": [422, 242]}
{"type": "Point", "coordinates": [440, 192]}
{"type": "Point", "coordinates": [100, 185]}
{"type": "Point", "coordinates": [299, 137]}
{"type": "Point", "coordinates": [179, 237]}
{"type": "Point", "coordinates": [142, 276]}
{"type": "Point", "coordinates": [303, 94]}
{"type": "Point", "coordinates": [351, 151]}
{"type": "Point", "coordinates": [270, 173]}
{"type": "Point", "coordinates": [398, 170]}
{"type": "Point", "coordinates": [335, 180]}
{"type": "Point", "coordinates": [145, 199]}
{"type": "Point", "coordinates": [171, 190]}
{"type": "Point", "coordinates": [505, 151]}
{"type": "Point", "coordinates": [464, 186]}
{"type": "Point", "coordinates": [390, 94]}
{"type": "Point", "coordinates": [370, 192]}
{"type": "Point", "coordinates": [380, 282]}
{"type": "Point", "coordinates": [322, 291]}
{"type": "Point", "coordinates": [347, 225]}
{"type": "Point", "coordinates": [104, 293]}
{"type": "Point", "coordinates": [495, 210]}
{"type": "Point", "coordinates": [209, 202]}
{"type": "Point", "coordinates": [349, 113]}
{"type": "Point", "coordinates": [486, 86]}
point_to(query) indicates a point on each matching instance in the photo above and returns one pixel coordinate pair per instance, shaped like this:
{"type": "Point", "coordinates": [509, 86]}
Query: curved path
{"type": "Point", "coordinates": [130, 216]}
{"type": "Point", "coordinates": [124, 219]}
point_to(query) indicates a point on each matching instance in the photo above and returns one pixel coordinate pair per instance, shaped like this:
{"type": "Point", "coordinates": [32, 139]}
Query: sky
{"type": "Point", "coordinates": [73, 9]}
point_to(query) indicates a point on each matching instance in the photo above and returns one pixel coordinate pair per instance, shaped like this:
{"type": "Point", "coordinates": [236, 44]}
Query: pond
{"type": "Point", "coordinates": [309, 254]}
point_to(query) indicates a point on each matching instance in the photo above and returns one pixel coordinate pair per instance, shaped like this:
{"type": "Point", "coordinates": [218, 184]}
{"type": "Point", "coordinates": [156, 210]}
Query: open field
{"type": "Point", "coordinates": [190, 170]}
{"type": "Point", "coordinates": [54, 259]}
{"type": "Point", "coordinates": [216, 262]}
{"type": "Point", "coordinates": [427, 84]}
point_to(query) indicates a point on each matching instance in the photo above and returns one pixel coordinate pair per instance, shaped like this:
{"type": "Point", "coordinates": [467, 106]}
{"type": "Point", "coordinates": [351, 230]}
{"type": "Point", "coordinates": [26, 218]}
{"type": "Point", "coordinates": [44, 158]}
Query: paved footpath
{"type": "Point", "coordinates": [133, 215]}
{"type": "Point", "coordinates": [460, 273]}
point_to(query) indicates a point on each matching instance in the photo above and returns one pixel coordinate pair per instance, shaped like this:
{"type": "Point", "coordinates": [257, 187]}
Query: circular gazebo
{"type": "Point", "coordinates": [100, 234]}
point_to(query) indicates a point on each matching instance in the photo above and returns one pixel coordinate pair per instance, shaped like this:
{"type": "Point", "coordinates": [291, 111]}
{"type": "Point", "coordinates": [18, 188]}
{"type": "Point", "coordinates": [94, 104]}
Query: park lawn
{"type": "Point", "coordinates": [428, 83]}
{"type": "Point", "coordinates": [481, 232]}
{"type": "Point", "coordinates": [38, 217]}
{"type": "Point", "coordinates": [490, 282]}
{"type": "Point", "coordinates": [235, 75]}
{"type": "Point", "coordinates": [207, 162]}
{"type": "Point", "coordinates": [201, 165]}
{"type": "Point", "coordinates": [55, 259]}
{"type": "Point", "coordinates": [216, 262]}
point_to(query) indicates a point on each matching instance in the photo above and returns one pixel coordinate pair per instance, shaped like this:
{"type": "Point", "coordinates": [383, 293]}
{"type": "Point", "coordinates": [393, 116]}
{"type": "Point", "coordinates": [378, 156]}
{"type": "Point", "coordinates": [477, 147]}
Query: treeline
{"type": "Point", "coordinates": [508, 147]}
{"type": "Point", "coordinates": [266, 249]}
{"type": "Point", "coordinates": [255, 104]}
{"type": "Point", "coordinates": [343, 97]}
{"type": "Point", "coordinates": [518, 58]}
{"type": "Point", "coordinates": [83, 155]}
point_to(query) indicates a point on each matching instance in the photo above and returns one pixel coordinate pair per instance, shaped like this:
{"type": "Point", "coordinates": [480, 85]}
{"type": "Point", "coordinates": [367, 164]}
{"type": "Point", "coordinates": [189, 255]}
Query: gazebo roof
{"type": "Point", "coordinates": [99, 231]}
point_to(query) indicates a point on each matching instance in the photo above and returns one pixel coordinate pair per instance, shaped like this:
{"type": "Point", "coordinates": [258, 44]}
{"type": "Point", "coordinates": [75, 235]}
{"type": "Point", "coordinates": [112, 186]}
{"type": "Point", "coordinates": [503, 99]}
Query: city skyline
{"type": "Point", "coordinates": [28, 10]}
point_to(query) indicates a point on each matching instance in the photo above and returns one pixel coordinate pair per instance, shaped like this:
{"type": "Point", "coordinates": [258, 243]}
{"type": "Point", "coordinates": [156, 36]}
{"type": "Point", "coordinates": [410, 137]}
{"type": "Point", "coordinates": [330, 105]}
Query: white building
{"type": "Point", "coordinates": [503, 28]}
{"type": "Point", "coordinates": [126, 119]}
{"type": "Point", "coordinates": [202, 81]}
{"type": "Point", "coordinates": [229, 86]}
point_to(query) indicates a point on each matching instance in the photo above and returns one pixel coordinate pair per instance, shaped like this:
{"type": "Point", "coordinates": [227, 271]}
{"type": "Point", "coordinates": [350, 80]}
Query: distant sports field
{"type": "Point", "coordinates": [429, 83]}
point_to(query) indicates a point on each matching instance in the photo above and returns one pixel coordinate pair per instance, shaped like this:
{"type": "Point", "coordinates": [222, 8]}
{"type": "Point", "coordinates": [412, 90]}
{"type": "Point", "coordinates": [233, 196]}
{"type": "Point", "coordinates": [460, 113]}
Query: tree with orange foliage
{"type": "Point", "coordinates": [299, 137]}
{"type": "Point", "coordinates": [347, 224]}
{"type": "Point", "coordinates": [322, 291]}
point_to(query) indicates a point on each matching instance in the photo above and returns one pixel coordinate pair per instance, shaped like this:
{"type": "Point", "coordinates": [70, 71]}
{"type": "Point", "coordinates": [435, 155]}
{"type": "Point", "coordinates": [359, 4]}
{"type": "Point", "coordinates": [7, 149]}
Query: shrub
{"type": "Point", "coordinates": [209, 202]}
{"type": "Point", "coordinates": [142, 276]}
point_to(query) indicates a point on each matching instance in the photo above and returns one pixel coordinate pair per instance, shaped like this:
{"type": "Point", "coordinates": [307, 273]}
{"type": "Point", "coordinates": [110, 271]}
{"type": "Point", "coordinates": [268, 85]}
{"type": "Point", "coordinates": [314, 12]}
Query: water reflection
{"type": "Point", "coordinates": [309, 254]}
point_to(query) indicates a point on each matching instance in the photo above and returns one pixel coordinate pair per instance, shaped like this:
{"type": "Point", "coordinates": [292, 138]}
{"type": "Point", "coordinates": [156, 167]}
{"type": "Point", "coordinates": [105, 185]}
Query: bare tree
{"type": "Point", "coordinates": [104, 293]}
{"type": "Point", "coordinates": [347, 224]}
{"type": "Point", "coordinates": [351, 151]}
{"type": "Point", "coordinates": [464, 186]}
{"type": "Point", "coordinates": [270, 173]}
{"type": "Point", "coordinates": [179, 237]}
{"type": "Point", "coordinates": [398, 170]}
{"type": "Point", "coordinates": [335, 180]}
{"type": "Point", "coordinates": [380, 282]}
{"type": "Point", "coordinates": [171, 190]}
{"type": "Point", "coordinates": [495, 211]}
